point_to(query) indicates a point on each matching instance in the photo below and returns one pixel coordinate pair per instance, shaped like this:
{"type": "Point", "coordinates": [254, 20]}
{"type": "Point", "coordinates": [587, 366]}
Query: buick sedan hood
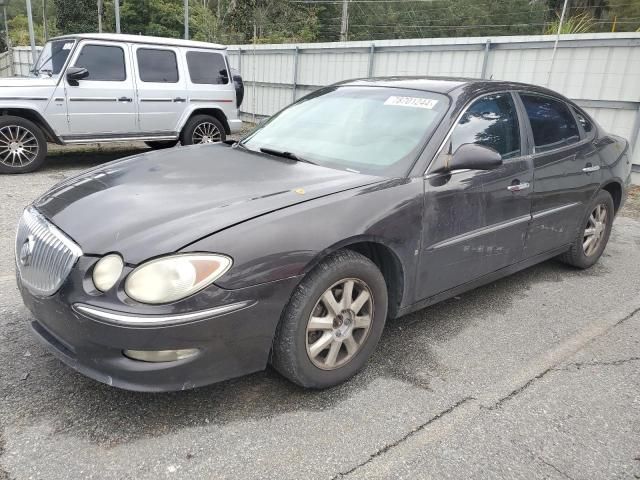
{"type": "Point", "coordinates": [159, 202]}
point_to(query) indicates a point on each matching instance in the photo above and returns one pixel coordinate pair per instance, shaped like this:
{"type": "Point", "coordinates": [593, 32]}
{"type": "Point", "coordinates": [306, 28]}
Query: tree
{"type": "Point", "coordinates": [76, 16]}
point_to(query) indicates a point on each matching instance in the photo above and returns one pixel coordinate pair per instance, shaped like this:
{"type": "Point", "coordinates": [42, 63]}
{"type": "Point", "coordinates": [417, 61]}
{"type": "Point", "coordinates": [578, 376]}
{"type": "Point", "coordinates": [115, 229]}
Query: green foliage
{"type": "Point", "coordinates": [283, 21]}
{"type": "Point", "coordinates": [579, 23]}
{"type": "Point", "coordinates": [77, 16]}
{"type": "Point", "coordinates": [445, 18]}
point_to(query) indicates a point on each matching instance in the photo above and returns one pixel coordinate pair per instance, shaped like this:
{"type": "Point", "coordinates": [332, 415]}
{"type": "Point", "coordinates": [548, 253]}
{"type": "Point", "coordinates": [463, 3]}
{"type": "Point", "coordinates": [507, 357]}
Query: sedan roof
{"type": "Point", "coordinates": [431, 84]}
{"type": "Point", "coordinates": [445, 84]}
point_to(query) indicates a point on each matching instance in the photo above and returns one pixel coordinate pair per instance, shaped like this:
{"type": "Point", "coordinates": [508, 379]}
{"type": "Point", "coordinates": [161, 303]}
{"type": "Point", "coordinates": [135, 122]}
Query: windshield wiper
{"type": "Point", "coordinates": [289, 155]}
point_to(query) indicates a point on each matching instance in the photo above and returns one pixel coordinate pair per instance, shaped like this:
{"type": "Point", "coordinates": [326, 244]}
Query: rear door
{"type": "Point", "coordinates": [475, 221]}
{"type": "Point", "coordinates": [566, 172]}
{"type": "Point", "coordinates": [102, 105]}
{"type": "Point", "coordinates": [162, 96]}
{"type": "Point", "coordinates": [209, 82]}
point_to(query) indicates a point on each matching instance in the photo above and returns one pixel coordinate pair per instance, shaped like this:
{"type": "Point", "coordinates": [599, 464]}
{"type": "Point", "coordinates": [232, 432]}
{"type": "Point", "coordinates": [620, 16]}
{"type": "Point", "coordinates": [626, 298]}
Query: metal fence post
{"type": "Point", "coordinates": [635, 133]}
{"type": "Point", "coordinates": [116, 7]}
{"type": "Point", "coordinates": [485, 59]}
{"type": "Point", "coordinates": [372, 52]}
{"type": "Point", "coordinates": [32, 40]}
{"type": "Point", "coordinates": [186, 19]}
{"type": "Point", "coordinates": [294, 85]}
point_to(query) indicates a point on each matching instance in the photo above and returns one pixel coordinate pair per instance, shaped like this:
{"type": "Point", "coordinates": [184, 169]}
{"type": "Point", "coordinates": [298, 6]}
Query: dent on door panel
{"type": "Point", "coordinates": [562, 191]}
{"type": "Point", "coordinates": [473, 226]}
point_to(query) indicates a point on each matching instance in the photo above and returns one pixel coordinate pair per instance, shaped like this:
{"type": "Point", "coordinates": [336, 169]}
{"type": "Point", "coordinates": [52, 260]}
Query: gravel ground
{"type": "Point", "coordinates": [534, 376]}
{"type": "Point", "coordinates": [632, 205]}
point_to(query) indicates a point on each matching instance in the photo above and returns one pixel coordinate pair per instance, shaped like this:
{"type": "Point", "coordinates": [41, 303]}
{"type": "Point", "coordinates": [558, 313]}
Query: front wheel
{"type": "Point", "coordinates": [594, 233]}
{"type": "Point", "coordinates": [332, 323]}
{"type": "Point", "coordinates": [23, 146]}
{"type": "Point", "coordinates": [202, 129]}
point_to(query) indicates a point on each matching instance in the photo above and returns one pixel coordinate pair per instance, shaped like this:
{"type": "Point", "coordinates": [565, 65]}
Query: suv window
{"type": "Point", "coordinates": [551, 121]}
{"type": "Point", "coordinates": [207, 67]}
{"type": "Point", "coordinates": [158, 66]}
{"type": "Point", "coordinates": [584, 121]}
{"type": "Point", "coordinates": [103, 62]}
{"type": "Point", "coordinates": [491, 121]}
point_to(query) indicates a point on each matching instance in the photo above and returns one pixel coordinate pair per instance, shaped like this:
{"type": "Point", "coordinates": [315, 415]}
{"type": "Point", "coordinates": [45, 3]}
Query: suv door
{"type": "Point", "coordinates": [102, 105]}
{"type": "Point", "coordinates": [566, 172]}
{"type": "Point", "coordinates": [475, 221]}
{"type": "Point", "coordinates": [162, 92]}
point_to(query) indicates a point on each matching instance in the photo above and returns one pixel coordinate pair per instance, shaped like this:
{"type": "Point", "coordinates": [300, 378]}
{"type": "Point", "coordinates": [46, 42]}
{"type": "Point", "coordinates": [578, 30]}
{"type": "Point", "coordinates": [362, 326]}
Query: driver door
{"type": "Point", "coordinates": [103, 104]}
{"type": "Point", "coordinates": [475, 221]}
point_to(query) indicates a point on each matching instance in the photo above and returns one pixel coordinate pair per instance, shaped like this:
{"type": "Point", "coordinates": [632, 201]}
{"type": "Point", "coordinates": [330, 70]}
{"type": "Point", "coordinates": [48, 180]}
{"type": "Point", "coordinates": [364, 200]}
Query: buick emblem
{"type": "Point", "coordinates": [26, 252]}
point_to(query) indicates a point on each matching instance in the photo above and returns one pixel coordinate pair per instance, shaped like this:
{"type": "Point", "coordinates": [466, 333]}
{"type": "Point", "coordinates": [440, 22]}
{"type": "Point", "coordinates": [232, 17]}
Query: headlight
{"type": "Point", "coordinates": [169, 279]}
{"type": "Point", "coordinates": [107, 271]}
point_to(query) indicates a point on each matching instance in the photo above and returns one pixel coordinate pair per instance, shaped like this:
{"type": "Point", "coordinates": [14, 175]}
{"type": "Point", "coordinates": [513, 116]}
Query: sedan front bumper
{"type": "Point", "coordinates": [232, 339]}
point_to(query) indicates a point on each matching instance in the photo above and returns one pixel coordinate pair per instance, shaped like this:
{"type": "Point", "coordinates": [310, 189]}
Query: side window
{"type": "Point", "coordinates": [207, 67]}
{"type": "Point", "coordinates": [103, 62]}
{"type": "Point", "coordinates": [491, 121]}
{"type": "Point", "coordinates": [158, 66]}
{"type": "Point", "coordinates": [584, 121]}
{"type": "Point", "coordinates": [551, 121]}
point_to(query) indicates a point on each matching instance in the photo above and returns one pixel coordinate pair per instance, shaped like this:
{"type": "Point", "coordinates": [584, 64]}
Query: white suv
{"type": "Point", "coordinates": [104, 87]}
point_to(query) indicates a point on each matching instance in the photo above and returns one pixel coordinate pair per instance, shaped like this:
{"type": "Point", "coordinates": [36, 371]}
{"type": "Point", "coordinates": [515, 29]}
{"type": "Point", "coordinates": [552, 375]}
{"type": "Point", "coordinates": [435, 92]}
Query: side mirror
{"type": "Point", "coordinates": [474, 157]}
{"type": "Point", "coordinates": [76, 73]}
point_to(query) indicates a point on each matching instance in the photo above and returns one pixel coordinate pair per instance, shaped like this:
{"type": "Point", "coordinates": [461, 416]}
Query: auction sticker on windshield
{"type": "Point", "coordinates": [415, 102]}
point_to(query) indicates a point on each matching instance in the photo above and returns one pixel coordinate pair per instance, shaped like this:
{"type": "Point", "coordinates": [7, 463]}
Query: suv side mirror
{"type": "Point", "coordinates": [76, 73]}
{"type": "Point", "coordinates": [474, 157]}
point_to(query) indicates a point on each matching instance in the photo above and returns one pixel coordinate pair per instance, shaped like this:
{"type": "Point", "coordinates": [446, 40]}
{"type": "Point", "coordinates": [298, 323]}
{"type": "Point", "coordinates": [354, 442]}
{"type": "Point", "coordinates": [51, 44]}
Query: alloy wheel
{"type": "Point", "coordinates": [206, 132]}
{"type": "Point", "coordinates": [339, 324]}
{"type": "Point", "coordinates": [595, 230]}
{"type": "Point", "coordinates": [18, 146]}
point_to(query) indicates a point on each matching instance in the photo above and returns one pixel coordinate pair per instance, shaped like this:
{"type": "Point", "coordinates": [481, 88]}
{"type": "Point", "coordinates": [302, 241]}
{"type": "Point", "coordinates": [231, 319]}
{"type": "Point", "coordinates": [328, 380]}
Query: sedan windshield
{"type": "Point", "coordinates": [374, 130]}
{"type": "Point", "coordinates": [53, 57]}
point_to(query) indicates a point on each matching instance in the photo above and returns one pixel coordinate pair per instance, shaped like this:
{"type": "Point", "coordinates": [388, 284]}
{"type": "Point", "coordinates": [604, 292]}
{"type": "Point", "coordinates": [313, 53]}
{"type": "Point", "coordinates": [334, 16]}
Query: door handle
{"type": "Point", "coordinates": [179, 99]}
{"type": "Point", "coordinates": [591, 168]}
{"type": "Point", "coordinates": [518, 187]}
{"type": "Point", "coordinates": [125, 99]}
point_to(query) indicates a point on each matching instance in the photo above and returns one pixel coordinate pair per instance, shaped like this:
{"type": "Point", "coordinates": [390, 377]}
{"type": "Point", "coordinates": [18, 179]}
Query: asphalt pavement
{"type": "Point", "coordinates": [535, 376]}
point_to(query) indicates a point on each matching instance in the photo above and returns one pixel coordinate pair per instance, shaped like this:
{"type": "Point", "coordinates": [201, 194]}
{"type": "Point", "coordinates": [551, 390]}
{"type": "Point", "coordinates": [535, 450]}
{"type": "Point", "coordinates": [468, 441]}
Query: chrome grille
{"type": "Point", "coordinates": [44, 254]}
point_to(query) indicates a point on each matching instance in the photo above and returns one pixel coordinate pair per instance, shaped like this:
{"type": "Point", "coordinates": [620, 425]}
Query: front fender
{"type": "Point", "coordinates": [289, 242]}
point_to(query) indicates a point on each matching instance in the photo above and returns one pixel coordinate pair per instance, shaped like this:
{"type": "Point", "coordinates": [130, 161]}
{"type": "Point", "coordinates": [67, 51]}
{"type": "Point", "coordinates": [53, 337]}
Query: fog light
{"type": "Point", "coordinates": [160, 355]}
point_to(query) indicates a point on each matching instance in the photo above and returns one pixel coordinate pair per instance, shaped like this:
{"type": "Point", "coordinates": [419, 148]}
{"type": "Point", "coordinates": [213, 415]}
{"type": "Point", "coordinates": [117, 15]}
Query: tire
{"type": "Point", "coordinates": [23, 146]}
{"type": "Point", "coordinates": [160, 144]}
{"type": "Point", "coordinates": [583, 254]}
{"type": "Point", "coordinates": [200, 124]}
{"type": "Point", "coordinates": [295, 335]}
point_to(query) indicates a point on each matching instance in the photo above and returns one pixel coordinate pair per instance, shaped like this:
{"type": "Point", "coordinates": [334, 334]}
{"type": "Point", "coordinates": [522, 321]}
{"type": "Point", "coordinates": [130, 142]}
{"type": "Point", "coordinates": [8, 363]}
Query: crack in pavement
{"type": "Point", "coordinates": [408, 435]}
{"type": "Point", "coordinates": [549, 464]}
{"type": "Point", "coordinates": [518, 390]}
{"type": "Point", "coordinates": [553, 368]}
{"type": "Point", "coordinates": [579, 365]}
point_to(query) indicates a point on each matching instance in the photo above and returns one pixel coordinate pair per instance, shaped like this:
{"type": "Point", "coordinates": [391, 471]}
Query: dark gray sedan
{"type": "Point", "coordinates": [363, 201]}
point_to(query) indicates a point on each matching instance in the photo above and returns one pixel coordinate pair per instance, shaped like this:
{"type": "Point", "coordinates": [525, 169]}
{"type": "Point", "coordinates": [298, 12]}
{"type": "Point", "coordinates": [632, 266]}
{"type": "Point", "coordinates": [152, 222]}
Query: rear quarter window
{"type": "Point", "coordinates": [207, 68]}
{"type": "Point", "coordinates": [551, 121]}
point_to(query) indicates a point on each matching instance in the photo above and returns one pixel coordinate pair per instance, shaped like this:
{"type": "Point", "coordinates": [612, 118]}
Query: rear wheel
{"type": "Point", "coordinates": [159, 144]}
{"type": "Point", "coordinates": [202, 129]}
{"type": "Point", "coordinates": [23, 146]}
{"type": "Point", "coordinates": [332, 323]}
{"type": "Point", "coordinates": [594, 233]}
